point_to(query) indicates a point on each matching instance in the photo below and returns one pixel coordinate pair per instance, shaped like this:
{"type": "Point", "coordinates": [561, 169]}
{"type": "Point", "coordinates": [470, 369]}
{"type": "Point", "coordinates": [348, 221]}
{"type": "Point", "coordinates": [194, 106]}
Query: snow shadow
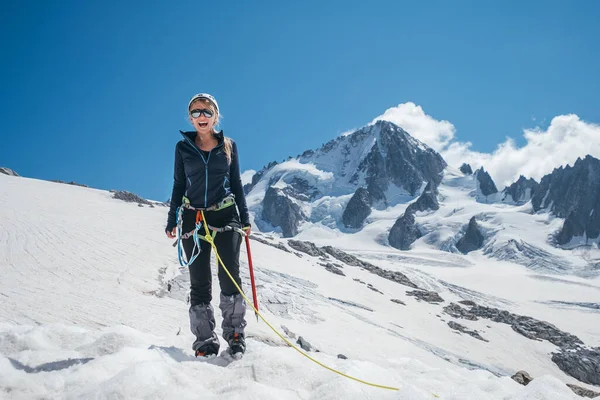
{"type": "Point", "coordinates": [51, 366]}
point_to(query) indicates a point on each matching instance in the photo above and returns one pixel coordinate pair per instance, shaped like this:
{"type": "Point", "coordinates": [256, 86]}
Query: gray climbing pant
{"type": "Point", "coordinates": [202, 321]}
{"type": "Point", "coordinates": [233, 309]}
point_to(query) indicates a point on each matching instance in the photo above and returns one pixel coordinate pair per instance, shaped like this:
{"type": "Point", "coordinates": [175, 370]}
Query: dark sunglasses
{"type": "Point", "coordinates": [196, 113]}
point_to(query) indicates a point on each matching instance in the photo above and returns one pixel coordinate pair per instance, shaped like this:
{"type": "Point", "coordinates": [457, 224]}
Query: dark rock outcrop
{"type": "Point", "coordinates": [466, 169]}
{"type": "Point", "coordinates": [264, 241]}
{"type": "Point", "coordinates": [472, 240]}
{"type": "Point", "coordinates": [456, 311]}
{"type": "Point", "coordinates": [529, 327]}
{"type": "Point", "coordinates": [582, 364]}
{"type": "Point", "coordinates": [572, 193]}
{"type": "Point", "coordinates": [335, 269]}
{"type": "Point", "coordinates": [304, 344]}
{"type": "Point", "coordinates": [486, 184]}
{"type": "Point", "coordinates": [258, 176]}
{"type": "Point", "coordinates": [358, 209]}
{"type": "Point", "coordinates": [281, 211]}
{"type": "Point", "coordinates": [578, 390]}
{"type": "Point", "coordinates": [430, 297]}
{"type": "Point", "coordinates": [8, 171]}
{"type": "Point", "coordinates": [464, 329]}
{"type": "Point", "coordinates": [348, 259]}
{"type": "Point", "coordinates": [306, 247]}
{"type": "Point", "coordinates": [404, 232]}
{"type": "Point", "coordinates": [522, 377]}
{"type": "Point", "coordinates": [129, 197]}
{"type": "Point", "coordinates": [398, 158]}
{"type": "Point", "coordinates": [521, 191]}
{"type": "Point", "coordinates": [426, 201]}
{"type": "Point", "coordinates": [373, 288]}
{"type": "Point", "coordinates": [74, 184]}
{"type": "Point", "coordinates": [300, 189]}
{"type": "Point", "coordinates": [574, 359]}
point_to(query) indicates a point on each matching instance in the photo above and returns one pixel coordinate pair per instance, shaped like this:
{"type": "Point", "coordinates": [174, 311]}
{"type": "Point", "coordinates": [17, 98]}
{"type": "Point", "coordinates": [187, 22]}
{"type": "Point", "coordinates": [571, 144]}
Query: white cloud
{"type": "Point", "coordinates": [566, 138]}
{"type": "Point", "coordinates": [411, 117]}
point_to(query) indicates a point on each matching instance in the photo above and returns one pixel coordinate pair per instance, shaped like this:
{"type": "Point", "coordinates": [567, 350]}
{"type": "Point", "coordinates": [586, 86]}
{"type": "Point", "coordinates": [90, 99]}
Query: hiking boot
{"type": "Point", "coordinates": [237, 345]}
{"type": "Point", "coordinates": [207, 351]}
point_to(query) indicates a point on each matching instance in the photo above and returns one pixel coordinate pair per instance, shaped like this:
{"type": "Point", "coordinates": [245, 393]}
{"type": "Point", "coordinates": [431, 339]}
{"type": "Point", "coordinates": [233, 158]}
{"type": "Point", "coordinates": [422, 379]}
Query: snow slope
{"type": "Point", "coordinates": [85, 312]}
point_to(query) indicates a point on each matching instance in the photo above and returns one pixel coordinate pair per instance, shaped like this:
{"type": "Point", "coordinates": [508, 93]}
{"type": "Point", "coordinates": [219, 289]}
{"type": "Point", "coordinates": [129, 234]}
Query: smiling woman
{"type": "Point", "coordinates": [207, 183]}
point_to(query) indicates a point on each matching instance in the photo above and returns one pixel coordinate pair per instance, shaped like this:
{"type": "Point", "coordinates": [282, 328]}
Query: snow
{"type": "Point", "coordinates": [84, 312]}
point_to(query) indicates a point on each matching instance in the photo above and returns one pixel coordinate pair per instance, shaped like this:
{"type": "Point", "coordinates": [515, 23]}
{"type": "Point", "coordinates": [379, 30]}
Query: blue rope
{"type": "Point", "coordinates": [179, 246]}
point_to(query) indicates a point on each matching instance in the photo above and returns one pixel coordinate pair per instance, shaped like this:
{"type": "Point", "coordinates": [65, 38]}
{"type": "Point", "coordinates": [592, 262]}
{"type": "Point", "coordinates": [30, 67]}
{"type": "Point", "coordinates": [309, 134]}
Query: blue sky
{"type": "Point", "coordinates": [96, 92]}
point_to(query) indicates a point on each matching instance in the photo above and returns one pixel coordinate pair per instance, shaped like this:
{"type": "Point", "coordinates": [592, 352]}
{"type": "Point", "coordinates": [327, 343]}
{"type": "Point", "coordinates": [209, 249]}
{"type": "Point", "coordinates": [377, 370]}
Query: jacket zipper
{"type": "Point", "coordinates": [205, 166]}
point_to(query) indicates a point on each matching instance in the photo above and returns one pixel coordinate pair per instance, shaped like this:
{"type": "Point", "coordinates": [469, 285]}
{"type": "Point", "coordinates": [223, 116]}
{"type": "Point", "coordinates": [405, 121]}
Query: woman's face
{"type": "Point", "coordinates": [202, 123]}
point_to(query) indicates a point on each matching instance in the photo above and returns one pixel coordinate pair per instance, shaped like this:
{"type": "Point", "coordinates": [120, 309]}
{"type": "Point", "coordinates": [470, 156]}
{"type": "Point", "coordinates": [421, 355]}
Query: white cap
{"type": "Point", "coordinates": [204, 96]}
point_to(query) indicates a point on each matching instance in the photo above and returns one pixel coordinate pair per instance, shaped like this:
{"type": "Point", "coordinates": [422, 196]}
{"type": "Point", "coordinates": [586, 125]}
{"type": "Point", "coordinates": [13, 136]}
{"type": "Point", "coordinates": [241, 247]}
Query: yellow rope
{"type": "Point", "coordinates": [210, 240]}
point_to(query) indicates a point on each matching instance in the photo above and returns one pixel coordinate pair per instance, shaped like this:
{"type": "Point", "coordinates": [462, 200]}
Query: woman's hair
{"type": "Point", "coordinates": [227, 144]}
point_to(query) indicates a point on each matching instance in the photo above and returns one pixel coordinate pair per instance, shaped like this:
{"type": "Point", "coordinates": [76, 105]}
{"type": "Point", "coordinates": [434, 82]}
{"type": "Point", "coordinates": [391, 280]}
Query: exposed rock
{"type": "Point", "coordinates": [74, 184]}
{"type": "Point", "coordinates": [129, 197]}
{"type": "Point", "coordinates": [486, 184]}
{"type": "Point", "coordinates": [343, 357]}
{"type": "Point", "coordinates": [279, 210]}
{"type": "Point", "coordinates": [464, 329]}
{"type": "Point", "coordinates": [406, 162]}
{"type": "Point", "coordinates": [578, 390]}
{"type": "Point", "coordinates": [258, 176]}
{"type": "Point", "coordinates": [348, 259]}
{"type": "Point", "coordinates": [344, 257]}
{"type": "Point", "coordinates": [526, 326]}
{"type": "Point", "coordinates": [430, 297]}
{"type": "Point", "coordinates": [572, 193]}
{"type": "Point", "coordinates": [467, 302]}
{"type": "Point", "coordinates": [8, 171]}
{"type": "Point", "coordinates": [521, 191]}
{"type": "Point", "coordinates": [404, 232]}
{"type": "Point", "coordinates": [573, 359]}
{"type": "Point", "coordinates": [472, 240]}
{"type": "Point", "coordinates": [300, 189]}
{"type": "Point", "coordinates": [333, 269]}
{"type": "Point", "coordinates": [306, 247]}
{"type": "Point", "coordinates": [522, 377]}
{"type": "Point", "coordinates": [426, 201]}
{"type": "Point", "coordinates": [373, 288]}
{"type": "Point", "coordinates": [456, 311]}
{"type": "Point", "coordinates": [466, 169]}
{"type": "Point", "coordinates": [304, 344]}
{"type": "Point", "coordinates": [358, 209]}
{"type": "Point", "coordinates": [582, 364]}
{"type": "Point", "coordinates": [398, 301]}
{"type": "Point", "coordinates": [264, 241]}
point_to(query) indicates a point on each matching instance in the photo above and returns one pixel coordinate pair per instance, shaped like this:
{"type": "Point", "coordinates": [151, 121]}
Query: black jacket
{"type": "Point", "coordinates": [205, 178]}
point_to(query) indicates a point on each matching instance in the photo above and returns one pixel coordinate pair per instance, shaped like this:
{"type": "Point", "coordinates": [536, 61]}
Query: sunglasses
{"type": "Point", "coordinates": [204, 111]}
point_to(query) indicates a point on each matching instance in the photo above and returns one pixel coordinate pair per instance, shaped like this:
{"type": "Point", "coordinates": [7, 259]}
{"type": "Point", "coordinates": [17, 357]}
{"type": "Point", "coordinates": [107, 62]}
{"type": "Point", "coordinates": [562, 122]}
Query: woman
{"type": "Point", "coordinates": [207, 177]}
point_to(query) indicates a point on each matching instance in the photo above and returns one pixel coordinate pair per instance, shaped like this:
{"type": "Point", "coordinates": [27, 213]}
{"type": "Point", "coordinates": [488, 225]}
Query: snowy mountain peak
{"type": "Point", "coordinates": [381, 159]}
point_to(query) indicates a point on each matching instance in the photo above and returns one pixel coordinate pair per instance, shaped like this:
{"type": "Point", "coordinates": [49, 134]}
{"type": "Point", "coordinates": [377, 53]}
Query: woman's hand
{"type": "Point", "coordinates": [247, 230]}
{"type": "Point", "coordinates": [172, 234]}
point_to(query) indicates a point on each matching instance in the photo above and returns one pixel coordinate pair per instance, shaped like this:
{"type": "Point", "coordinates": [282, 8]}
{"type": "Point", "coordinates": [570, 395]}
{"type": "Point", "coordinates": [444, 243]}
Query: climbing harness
{"type": "Point", "coordinates": [226, 202]}
{"type": "Point", "coordinates": [210, 239]}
